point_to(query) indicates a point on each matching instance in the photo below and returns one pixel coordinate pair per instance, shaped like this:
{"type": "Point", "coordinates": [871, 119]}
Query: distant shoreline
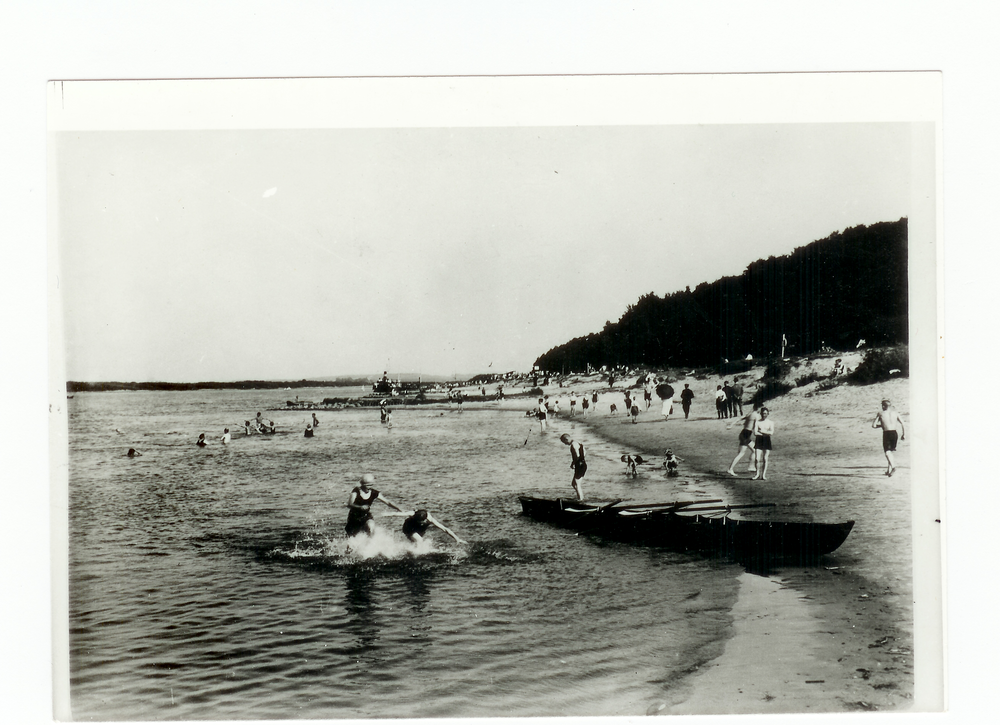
{"type": "Point", "coordinates": [73, 386]}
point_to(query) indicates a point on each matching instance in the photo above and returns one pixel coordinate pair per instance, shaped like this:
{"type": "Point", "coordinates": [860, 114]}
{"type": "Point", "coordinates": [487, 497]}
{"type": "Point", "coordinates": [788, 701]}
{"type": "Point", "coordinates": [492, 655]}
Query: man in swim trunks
{"type": "Point", "coordinates": [763, 430]}
{"type": "Point", "coordinates": [359, 515]}
{"type": "Point", "coordinates": [578, 464]}
{"type": "Point", "coordinates": [893, 431]}
{"type": "Point", "coordinates": [543, 413]}
{"type": "Point", "coordinates": [747, 441]}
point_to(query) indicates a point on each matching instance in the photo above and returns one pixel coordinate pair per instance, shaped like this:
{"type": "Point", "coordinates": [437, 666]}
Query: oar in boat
{"type": "Point", "coordinates": [667, 506]}
{"type": "Point", "coordinates": [649, 508]}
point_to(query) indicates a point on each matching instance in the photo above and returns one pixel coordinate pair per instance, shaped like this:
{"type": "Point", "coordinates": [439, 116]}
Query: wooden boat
{"type": "Point", "coordinates": [696, 526]}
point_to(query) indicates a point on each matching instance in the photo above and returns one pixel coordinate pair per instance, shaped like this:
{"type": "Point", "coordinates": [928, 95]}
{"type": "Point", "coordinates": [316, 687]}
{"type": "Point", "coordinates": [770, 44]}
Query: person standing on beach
{"type": "Point", "coordinates": [728, 407]}
{"type": "Point", "coordinates": [578, 464]}
{"type": "Point", "coordinates": [893, 431]}
{"type": "Point", "coordinates": [586, 405]}
{"type": "Point", "coordinates": [359, 515]}
{"type": "Point", "coordinates": [687, 395]}
{"type": "Point", "coordinates": [720, 401]}
{"type": "Point", "coordinates": [572, 404]}
{"type": "Point", "coordinates": [593, 400]}
{"type": "Point", "coordinates": [746, 442]}
{"type": "Point", "coordinates": [543, 414]}
{"type": "Point", "coordinates": [635, 410]}
{"type": "Point", "coordinates": [763, 430]}
{"type": "Point", "coordinates": [735, 399]}
{"type": "Point", "coordinates": [647, 391]}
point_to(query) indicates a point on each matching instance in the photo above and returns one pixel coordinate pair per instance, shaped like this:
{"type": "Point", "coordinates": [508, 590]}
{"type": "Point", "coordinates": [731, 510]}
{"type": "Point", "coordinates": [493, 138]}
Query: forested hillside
{"type": "Point", "coordinates": [833, 292]}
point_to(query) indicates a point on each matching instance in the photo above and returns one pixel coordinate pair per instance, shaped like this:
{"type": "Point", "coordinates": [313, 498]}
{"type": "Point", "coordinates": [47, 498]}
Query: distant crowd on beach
{"type": "Point", "coordinates": [754, 441]}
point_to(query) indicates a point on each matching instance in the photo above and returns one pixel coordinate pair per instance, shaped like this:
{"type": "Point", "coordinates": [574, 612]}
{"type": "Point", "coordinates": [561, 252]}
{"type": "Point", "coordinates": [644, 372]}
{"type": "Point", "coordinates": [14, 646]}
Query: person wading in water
{"type": "Point", "coordinates": [359, 515]}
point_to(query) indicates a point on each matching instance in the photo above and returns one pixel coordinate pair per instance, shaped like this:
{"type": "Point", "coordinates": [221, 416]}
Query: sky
{"type": "Point", "coordinates": [194, 255]}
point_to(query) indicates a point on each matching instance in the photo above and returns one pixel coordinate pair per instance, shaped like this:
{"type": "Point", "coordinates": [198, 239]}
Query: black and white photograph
{"type": "Point", "coordinates": [496, 397]}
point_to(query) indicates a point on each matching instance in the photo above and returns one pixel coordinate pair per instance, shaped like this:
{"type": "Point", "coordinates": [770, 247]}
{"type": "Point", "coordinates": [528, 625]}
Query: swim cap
{"type": "Point", "coordinates": [367, 478]}
{"type": "Point", "coordinates": [886, 400]}
{"type": "Point", "coordinates": [421, 513]}
{"type": "Point", "coordinates": [565, 438]}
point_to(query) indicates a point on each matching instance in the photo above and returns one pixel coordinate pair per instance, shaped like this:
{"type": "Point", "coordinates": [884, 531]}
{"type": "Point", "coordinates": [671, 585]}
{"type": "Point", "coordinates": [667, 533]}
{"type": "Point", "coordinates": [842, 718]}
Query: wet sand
{"type": "Point", "coordinates": [837, 637]}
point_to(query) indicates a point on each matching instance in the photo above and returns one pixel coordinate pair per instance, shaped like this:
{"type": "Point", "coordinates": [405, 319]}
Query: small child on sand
{"type": "Point", "coordinates": [670, 462]}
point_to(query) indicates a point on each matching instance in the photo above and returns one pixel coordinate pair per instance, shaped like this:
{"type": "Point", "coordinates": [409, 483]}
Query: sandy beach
{"type": "Point", "coordinates": [837, 637]}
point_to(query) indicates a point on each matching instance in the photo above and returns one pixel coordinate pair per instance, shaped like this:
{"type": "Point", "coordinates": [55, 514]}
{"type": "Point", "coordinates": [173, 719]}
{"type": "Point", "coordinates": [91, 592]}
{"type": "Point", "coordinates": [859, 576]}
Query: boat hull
{"type": "Point", "coordinates": [755, 543]}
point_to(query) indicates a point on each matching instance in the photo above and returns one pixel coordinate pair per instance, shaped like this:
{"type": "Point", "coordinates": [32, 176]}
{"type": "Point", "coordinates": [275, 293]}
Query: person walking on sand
{"type": "Point", "coordinates": [687, 395]}
{"type": "Point", "coordinates": [634, 410]}
{"type": "Point", "coordinates": [666, 392]}
{"type": "Point", "coordinates": [359, 515]}
{"type": "Point", "coordinates": [763, 430]}
{"type": "Point", "coordinates": [720, 401]}
{"type": "Point", "coordinates": [578, 464]}
{"type": "Point", "coordinates": [746, 442]}
{"type": "Point", "coordinates": [893, 431]}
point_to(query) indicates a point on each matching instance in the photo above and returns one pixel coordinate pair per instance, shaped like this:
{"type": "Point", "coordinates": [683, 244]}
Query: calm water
{"type": "Point", "coordinates": [216, 583]}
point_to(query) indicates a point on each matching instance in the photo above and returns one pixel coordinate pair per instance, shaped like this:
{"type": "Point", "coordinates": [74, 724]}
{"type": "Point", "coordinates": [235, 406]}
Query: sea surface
{"type": "Point", "coordinates": [217, 583]}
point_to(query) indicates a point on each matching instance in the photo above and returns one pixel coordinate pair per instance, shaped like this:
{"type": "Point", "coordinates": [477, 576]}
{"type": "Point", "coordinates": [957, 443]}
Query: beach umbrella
{"type": "Point", "coordinates": [665, 391]}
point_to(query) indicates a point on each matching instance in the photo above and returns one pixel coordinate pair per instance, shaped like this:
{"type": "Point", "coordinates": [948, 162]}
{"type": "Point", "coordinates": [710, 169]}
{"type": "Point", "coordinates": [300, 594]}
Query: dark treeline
{"type": "Point", "coordinates": [831, 293]}
{"type": "Point", "coordinates": [77, 387]}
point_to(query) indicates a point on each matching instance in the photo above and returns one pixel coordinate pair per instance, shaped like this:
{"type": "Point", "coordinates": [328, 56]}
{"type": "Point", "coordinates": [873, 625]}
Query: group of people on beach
{"type": "Point", "coordinates": [755, 438]}
{"type": "Point", "coordinates": [729, 400]}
